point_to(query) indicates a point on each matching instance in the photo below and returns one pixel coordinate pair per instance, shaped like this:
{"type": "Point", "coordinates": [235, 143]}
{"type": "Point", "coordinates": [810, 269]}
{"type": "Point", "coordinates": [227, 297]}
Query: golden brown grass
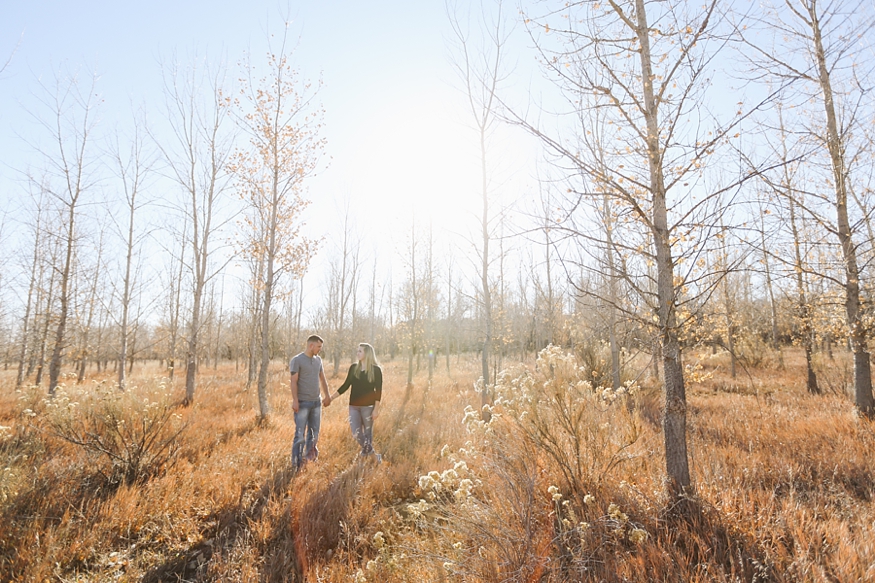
{"type": "Point", "coordinates": [784, 486]}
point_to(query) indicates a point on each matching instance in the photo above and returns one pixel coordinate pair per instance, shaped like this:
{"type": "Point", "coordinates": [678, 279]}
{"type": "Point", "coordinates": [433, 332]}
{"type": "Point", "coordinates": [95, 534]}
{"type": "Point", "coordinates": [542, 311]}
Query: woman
{"type": "Point", "coordinates": [365, 377]}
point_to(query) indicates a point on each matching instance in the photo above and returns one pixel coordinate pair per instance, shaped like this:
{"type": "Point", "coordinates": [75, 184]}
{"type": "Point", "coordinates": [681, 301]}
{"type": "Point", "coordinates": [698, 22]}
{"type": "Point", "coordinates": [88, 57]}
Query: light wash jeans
{"type": "Point", "coordinates": [307, 421]}
{"type": "Point", "coordinates": [361, 422]}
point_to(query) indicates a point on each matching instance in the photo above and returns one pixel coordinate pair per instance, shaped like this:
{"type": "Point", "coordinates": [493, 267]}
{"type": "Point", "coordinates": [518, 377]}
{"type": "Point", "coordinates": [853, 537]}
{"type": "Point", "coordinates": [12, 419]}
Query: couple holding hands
{"type": "Point", "coordinates": [365, 379]}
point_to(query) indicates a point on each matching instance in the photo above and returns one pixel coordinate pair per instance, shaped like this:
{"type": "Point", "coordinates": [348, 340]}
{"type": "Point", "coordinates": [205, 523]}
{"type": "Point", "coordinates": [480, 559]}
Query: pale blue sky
{"type": "Point", "coordinates": [399, 136]}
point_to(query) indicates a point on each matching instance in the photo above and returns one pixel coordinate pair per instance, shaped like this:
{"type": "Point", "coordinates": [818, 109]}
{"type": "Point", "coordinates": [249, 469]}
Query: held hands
{"type": "Point", "coordinates": [326, 400]}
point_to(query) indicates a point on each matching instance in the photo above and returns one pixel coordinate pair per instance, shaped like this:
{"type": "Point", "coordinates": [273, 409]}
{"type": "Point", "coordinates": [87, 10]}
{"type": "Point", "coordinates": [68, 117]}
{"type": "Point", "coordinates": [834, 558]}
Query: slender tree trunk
{"type": "Point", "coordinates": [411, 349]}
{"type": "Point", "coordinates": [257, 299]}
{"type": "Point", "coordinates": [675, 412]}
{"type": "Point", "coordinates": [858, 334]}
{"type": "Point", "coordinates": [338, 332]}
{"type": "Point", "coordinates": [728, 315]}
{"type": "Point", "coordinates": [372, 308]}
{"type": "Point", "coordinates": [484, 282]}
{"type": "Point", "coordinates": [175, 309]}
{"type": "Point", "coordinates": [19, 378]}
{"type": "Point", "coordinates": [300, 309]}
{"type": "Point", "coordinates": [200, 256]}
{"type": "Point", "coordinates": [218, 344]}
{"type": "Point", "coordinates": [60, 331]}
{"type": "Point", "coordinates": [191, 356]}
{"type": "Point", "coordinates": [804, 308]}
{"type": "Point", "coordinates": [449, 324]}
{"type": "Point", "coordinates": [612, 292]}
{"type": "Point", "coordinates": [431, 353]}
{"type": "Point", "coordinates": [126, 294]}
{"type": "Point", "coordinates": [772, 303]}
{"type": "Point", "coordinates": [267, 297]}
{"type": "Point", "coordinates": [86, 332]}
{"type": "Point", "coordinates": [49, 301]}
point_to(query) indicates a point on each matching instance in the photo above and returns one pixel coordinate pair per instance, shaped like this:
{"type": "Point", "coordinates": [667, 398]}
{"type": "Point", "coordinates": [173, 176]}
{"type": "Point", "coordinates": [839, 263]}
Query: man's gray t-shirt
{"type": "Point", "coordinates": [307, 368]}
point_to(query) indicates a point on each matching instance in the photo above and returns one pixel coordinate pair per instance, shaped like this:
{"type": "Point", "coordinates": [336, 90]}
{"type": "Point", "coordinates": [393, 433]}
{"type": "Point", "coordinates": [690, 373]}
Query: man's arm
{"type": "Point", "coordinates": [294, 384]}
{"type": "Point", "coordinates": [323, 384]}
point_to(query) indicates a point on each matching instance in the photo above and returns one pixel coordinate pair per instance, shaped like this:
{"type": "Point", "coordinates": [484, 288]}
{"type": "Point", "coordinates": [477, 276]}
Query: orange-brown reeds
{"type": "Point", "coordinates": [564, 483]}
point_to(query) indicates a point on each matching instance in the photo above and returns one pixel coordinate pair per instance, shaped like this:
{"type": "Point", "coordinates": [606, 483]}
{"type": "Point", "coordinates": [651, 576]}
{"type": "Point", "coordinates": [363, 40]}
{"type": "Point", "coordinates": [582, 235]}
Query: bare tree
{"type": "Point", "coordinates": [815, 49]}
{"type": "Point", "coordinates": [45, 301]}
{"type": "Point", "coordinates": [197, 154]}
{"type": "Point", "coordinates": [635, 74]}
{"type": "Point", "coordinates": [132, 168]}
{"type": "Point", "coordinates": [33, 281]}
{"type": "Point", "coordinates": [411, 303]}
{"type": "Point", "coordinates": [770, 286]}
{"type": "Point", "coordinates": [69, 122]}
{"type": "Point", "coordinates": [481, 70]}
{"type": "Point", "coordinates": [344, 275]}
{"type": "Point", "coordinates": [173, 307]}
{"type": "Point", "coordinates": [431, 305]}
{"type": "Point", "coordinates": [94, 279]}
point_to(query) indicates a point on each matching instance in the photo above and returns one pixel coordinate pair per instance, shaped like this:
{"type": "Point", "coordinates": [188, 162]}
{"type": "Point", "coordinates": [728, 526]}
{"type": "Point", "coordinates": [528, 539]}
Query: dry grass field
{"type": "Point", "coordinates": [563, 484]}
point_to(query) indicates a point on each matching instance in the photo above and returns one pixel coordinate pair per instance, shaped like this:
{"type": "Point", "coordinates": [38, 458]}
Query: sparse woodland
{"type": "Point", "coordinates": [654, 366]}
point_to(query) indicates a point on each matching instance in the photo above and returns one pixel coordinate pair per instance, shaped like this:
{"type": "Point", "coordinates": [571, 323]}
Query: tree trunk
{"type": "Point", "coordinates": [191, 357]}
{"type": "Point", "coordinates": [772, 303]}
{"type": "Point", "coordinates": [484, 283]}
{"type": "Point", "coordinates": [57, 350]}
{"type": "Point", "coordinates": [804, 308]}
{"type": "Point", "coordinates": [612, 292]}
{"type": "Point", "coordinates": [126, 294]}
{"type": "Point", "coordinates": [86, 332]}
{"type": "Point", "coordinates": [675, 412]}
{"type": "Point", "coordinates": [267, 297]}
{"type": "Point", "coordinates": [19, 378]}
{"type": "Point", "coordinates": [862, 372]}
{"type": "Point", "coordinates": [175, 308]}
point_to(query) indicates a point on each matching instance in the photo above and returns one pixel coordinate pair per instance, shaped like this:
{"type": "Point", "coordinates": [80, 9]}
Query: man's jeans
{"type": "Point", "coordinates": [307, 420]}
{"type": "Point", "coordinates": [361, 421]}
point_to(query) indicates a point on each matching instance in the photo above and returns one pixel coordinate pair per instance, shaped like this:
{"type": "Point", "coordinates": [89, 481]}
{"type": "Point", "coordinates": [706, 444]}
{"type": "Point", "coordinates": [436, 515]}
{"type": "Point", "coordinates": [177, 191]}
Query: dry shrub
{"type": "Point", "coordinates": [527, 497]}
{"type": "Point", "coordinates": [752, 350]}
{"type": "Point", "coordinates": [128, 436]}
{"type": "Point", "coordinates": [595, 357]}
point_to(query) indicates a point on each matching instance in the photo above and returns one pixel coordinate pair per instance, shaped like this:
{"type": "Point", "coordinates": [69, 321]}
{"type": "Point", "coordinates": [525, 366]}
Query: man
{"type": "Point", "coordinates": [308, 378]}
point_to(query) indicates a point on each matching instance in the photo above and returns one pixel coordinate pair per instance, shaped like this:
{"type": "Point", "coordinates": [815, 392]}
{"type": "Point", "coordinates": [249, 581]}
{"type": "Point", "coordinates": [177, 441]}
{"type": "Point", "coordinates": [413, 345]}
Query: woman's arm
{"type": "Point", "coordinates": [378, 383]}
{"type": "Point", "coordinates": [346, 384]}
{"type": "Point", "coordinates": [378, 391]}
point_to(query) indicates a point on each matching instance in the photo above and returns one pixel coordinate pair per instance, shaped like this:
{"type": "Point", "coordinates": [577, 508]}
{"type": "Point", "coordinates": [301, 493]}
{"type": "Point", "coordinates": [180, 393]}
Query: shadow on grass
{"type": "Point", "coordinates": [326, 513]}
{"type": "Point", "coordinates": [207, 448]}
{"type": "Point", "coordinates": [699, 539]}
{"type": "Point", "coordinates": [233, 525]}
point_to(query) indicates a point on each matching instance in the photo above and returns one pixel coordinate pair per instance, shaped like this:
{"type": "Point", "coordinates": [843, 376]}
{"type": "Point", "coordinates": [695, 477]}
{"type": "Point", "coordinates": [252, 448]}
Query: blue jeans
{"type": "Point", "coordinates": [307, 420]}
{"type": "Point", "coordinates": [361, 422]}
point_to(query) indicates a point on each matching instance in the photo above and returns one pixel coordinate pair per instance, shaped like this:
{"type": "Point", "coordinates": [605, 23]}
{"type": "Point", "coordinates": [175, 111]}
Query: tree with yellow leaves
{"type": "Point", "coordinates": [279, 114]}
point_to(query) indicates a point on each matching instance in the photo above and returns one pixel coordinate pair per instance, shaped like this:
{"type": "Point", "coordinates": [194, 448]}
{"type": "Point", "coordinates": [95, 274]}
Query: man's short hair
{"type": "Point", "coordinates": [315, 338]}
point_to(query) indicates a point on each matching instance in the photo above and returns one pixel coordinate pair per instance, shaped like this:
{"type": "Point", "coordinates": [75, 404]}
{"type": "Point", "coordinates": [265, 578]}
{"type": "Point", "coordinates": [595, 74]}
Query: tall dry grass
{"type": "Point", "coordinates": [563, 484]}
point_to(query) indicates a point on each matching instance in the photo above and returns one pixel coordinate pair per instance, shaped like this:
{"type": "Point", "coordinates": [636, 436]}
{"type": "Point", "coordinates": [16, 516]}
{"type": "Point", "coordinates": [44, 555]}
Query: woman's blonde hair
{"type": "Point", "coordinates": [369, 362]}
